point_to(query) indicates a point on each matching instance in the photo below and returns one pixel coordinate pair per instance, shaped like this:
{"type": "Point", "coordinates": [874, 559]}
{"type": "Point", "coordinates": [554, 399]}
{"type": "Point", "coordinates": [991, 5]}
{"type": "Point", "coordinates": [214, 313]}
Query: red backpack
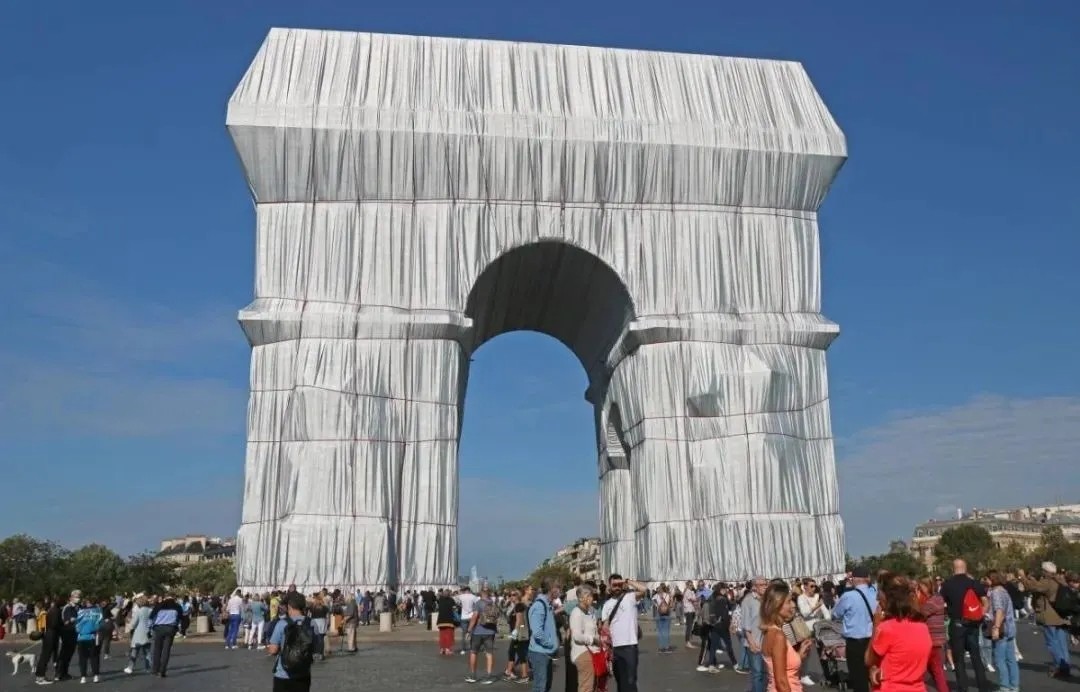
{"type": "Point", "coordinates": [972, 607]}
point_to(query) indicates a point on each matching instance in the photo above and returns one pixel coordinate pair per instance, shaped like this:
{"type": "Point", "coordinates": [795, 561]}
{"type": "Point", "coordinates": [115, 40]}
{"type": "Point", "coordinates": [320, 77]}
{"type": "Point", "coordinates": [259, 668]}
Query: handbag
{"type": "Point", "coordinates": [599, 662]}
{"type": "Point", "coordinates": [800, 629]}
{"type": "Point", "coordinates": [520, 633]}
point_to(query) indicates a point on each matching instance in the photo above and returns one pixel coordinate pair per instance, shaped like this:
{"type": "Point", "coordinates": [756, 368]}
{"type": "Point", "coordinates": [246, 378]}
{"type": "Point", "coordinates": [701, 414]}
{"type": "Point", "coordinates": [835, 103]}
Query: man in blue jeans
{"type": "Point", "coordinates": [544, 638]}
{"type": "Point", "coordinates": [750, 615]}
{"type": "Point", "coordinates": [1054, 627]}
{"type": "Point", "coordinates": [235, 609]}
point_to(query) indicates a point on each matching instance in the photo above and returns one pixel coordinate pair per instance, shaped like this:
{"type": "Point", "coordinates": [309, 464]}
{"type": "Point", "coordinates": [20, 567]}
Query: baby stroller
{"type": "Point", "coordinates": [832, 651]}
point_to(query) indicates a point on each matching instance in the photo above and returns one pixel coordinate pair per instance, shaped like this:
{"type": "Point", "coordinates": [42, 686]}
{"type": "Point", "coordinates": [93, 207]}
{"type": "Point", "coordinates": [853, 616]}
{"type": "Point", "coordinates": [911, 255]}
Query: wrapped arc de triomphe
{"type": "Point", "coordinates": [656, 213]}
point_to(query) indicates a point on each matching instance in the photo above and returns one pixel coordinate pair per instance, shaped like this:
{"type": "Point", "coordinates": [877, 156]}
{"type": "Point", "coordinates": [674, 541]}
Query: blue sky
{"type": "Point", "coordinates": [950, 242]}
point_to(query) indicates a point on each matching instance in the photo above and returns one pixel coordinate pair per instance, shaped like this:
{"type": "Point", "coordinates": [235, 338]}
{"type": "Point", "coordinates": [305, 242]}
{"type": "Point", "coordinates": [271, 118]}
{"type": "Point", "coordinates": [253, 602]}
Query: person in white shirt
{"type": "Point", "coordinates": [584, 638]}
{"type": "Point", "coordinates": [663, 605]}
{"type": "Point", "coordinates": [690, 609]}
{"type": "Point", "coordinates": [235, 609]}
{"type": "Point", "coordinates": [466, 600]}
{"type": "Point", "coordinates": [812, 609]}
{"type": "Point", "coordinates": [621, 615]}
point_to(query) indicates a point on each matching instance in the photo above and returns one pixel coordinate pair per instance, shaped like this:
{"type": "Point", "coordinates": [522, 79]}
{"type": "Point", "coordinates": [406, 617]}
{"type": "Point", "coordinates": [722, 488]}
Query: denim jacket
{"type": "Point", "coordinates": [543, 639]}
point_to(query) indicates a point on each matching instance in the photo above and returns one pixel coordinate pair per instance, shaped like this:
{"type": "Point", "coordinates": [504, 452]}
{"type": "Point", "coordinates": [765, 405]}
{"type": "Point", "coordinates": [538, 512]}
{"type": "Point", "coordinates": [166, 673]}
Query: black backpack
{"type": "Point", "coordinates": [1066, 602]}
{"type": "Point", "coordinates": [298, 648]}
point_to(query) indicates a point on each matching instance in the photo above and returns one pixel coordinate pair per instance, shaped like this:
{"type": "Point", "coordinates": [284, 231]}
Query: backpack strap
{"type": "Point", "coordinates": [615, 610]}
{"type": "Point", "coordinates": [543, 620]}
{"type": "Point", "coordinates": [864, 600]}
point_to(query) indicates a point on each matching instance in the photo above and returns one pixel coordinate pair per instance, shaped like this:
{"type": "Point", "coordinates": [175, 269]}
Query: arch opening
{"type": "Point", "coordinates": [568, 294]}
{"type": "Point", "coordinates": [556, 289]}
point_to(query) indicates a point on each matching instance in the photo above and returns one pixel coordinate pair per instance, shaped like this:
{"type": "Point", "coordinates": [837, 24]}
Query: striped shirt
{"type": "Point", "coordinates": [934, 611]}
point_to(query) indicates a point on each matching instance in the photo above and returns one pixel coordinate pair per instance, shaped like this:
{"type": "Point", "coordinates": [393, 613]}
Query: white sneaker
{"type": "Point", "coordinates": [807, 681]}
{"type": "Point", "coordinates": [97, 679]}
{"type": "Point", "coordinates": [82, 681]}
{"type": "Point", "coordinates": [990, 668]}
{"type": "Point", "coordinates": [703, 669]}
{"type": "Point", "coordinates": [129, 670]}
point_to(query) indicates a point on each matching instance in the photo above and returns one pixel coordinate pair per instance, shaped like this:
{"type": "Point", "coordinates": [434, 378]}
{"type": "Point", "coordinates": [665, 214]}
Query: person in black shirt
{"type": "Point", "coordinates": [964, 626]}
{"type": "Point", "coordinates": [68, 615]}
{"type": "Point", "coordinates": [50, 642]}
{"type": "Point", "coordinates": [164, 623]}
{"type": "Point", "coordinates": [720, 610]}
{"type": "Point", "coordinates": [1012, 587]}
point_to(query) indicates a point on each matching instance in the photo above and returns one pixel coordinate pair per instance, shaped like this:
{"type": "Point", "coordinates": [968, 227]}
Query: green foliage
{"type": "Point", "coordinates": [1010, 558]}
{"type": "Point", "coordinates": [547, 570]}
{"type": "Point", "coordinates": [95, 570]}
{"type": "Point", "coordinates": [513, 585]}
{"type": "Point", "coordinates": [971, 542]}
{"type": "Point", "coordinates": [29, 568]}
{"type": "Point", "coordinates": [147, 574]}
{"type": "Point", "coordinates": [552, 572]}
{"type": "Point", "coordinates": [896, 562]}
{"type": "Point", "coordinates": [1054, 547]}
{"type": "Point", "coordinates": [37, 570]}
{"type": "Point", "coordinates": [211, 576]}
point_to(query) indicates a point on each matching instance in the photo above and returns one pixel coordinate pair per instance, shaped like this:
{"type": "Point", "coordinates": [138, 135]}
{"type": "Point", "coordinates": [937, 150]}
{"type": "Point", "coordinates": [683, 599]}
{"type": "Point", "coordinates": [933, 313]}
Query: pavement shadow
{"type": "Point", "coordinates": [196, 670]}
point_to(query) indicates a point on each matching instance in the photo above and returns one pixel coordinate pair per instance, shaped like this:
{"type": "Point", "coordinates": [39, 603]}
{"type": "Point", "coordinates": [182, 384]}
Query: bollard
{"type": "Point", "coordinates": [31, 625]}
{"type": "Point", "coordinates": [435, 622]}
{"type": "Point", "coordinates": [202, 625]}
{"type": "Point", "coordinates": [386, 622]}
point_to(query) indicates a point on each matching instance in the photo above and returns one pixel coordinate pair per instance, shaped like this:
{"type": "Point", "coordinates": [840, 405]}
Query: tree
{"type": "Point", "coordinates": [28, 567]}
{"type": "Point", "coordinates": [147, 574]}
{"type": "Point", "coordinates": [969, 542]}
{"type": "Point", "coordinates": [896, 562]}
{"type": "Point", "coordinates": [1011, 558]}
{"type": "Point", "coordinates": [1054, 547]}
{"type": "Point", "coordinates": [552, 572]}
{"type": "Point", "coordinates": [95, 570]}
{"type": "Point", "coordinates": [209, 576]}
{"type": "Point", "coordinates": [514, 585]}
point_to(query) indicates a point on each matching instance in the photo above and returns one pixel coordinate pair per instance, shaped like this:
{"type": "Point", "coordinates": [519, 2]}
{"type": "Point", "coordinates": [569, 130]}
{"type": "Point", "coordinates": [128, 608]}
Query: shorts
{"type": "Point", "coordinates": [479, 643]}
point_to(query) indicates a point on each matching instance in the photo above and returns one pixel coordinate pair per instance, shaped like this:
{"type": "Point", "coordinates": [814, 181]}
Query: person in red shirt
{"type": "Point", "coordinates": [900, 651]}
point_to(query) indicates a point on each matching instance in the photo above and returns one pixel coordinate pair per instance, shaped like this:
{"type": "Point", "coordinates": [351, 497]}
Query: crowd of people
{"type": "Point", "coordinates": [884, 631]}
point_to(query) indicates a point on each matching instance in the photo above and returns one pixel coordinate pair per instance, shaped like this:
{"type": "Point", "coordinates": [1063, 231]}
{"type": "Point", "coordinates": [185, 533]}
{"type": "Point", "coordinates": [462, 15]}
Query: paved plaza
{"type": "Point", "coordinates": [413, 666]}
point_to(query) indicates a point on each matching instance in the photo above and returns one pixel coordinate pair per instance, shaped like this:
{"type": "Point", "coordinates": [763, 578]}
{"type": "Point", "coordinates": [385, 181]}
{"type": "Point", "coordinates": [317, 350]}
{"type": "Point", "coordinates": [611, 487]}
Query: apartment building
{"type": "Point", "coordinates": [1021, 525]}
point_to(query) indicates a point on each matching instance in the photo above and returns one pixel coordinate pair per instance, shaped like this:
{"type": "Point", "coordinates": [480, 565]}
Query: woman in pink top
{"type": "Point", "coordinates": [900, 651]}
{"type": "Point", "coordinates": [782, 660]}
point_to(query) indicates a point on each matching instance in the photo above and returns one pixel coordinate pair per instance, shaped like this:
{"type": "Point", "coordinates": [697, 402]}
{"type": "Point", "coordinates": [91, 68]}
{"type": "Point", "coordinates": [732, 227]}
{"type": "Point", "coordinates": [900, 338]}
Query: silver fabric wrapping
{"type": "Point", "coordinates": [654, 212]}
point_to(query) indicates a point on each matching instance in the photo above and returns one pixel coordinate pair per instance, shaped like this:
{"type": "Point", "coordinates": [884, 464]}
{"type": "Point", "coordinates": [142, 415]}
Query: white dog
{"type": "Point", "coordinates": [17, 659]}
